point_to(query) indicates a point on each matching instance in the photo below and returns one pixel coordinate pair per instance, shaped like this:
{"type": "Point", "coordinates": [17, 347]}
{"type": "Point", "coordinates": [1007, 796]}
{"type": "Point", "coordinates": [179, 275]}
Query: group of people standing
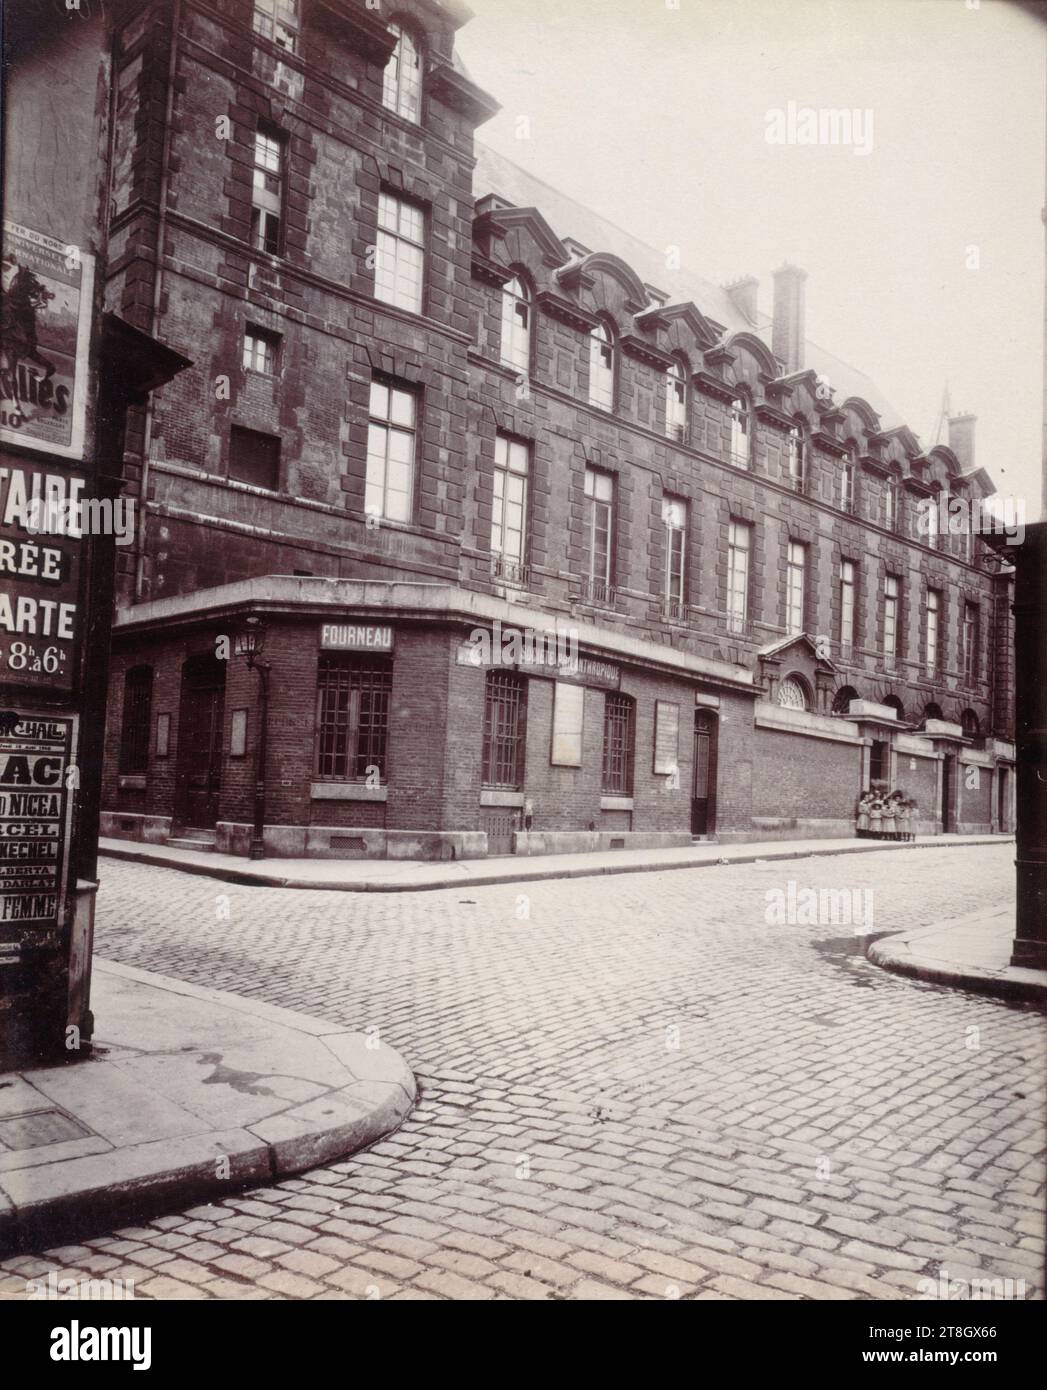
{"type": "Point", "coordinates": [883, 815]}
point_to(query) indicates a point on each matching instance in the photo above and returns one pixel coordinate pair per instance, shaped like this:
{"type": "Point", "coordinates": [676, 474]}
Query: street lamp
{"type": "Point", "coordinates": [250, 643]}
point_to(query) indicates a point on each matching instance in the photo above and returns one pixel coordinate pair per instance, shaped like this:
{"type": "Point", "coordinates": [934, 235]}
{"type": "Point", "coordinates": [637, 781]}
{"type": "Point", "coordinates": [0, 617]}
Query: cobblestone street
{"type": "Point", "coordinates": [629, 1087]}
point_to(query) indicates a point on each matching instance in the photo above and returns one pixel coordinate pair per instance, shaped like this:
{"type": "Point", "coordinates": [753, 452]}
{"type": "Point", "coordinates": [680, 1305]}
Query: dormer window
{"type": "Point", "coordinates": [516, 325]}
{"type": "Point", "coordinates": [848, 479]}
{"type": "Point", "coordinates": [676, 401]}
{"type": "Point", "coordinates": [601, 367]}
{"type": "Point", "coordinates": [741, 433]}
{"type": "Point", "coordinates": [277, 21]}
{"type": "Point", "coordinates": [890, 505]}
{"type": "Point", "coordinates": [402, 81]}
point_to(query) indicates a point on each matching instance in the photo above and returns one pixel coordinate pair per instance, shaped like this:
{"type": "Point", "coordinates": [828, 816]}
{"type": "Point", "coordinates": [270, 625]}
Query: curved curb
{"type": "Point", "coordinates": [896, 955]}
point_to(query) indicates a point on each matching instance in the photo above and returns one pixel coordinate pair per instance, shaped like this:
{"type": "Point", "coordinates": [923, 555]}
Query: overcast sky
{"type": "Point", "coordinates": [654, 113]}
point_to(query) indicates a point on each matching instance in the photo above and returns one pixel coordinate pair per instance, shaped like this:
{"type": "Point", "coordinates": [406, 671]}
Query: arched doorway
{"type": "Point", "coordinates": [703, 794]}
{"type": "Point", "coordinates": [198, 778]}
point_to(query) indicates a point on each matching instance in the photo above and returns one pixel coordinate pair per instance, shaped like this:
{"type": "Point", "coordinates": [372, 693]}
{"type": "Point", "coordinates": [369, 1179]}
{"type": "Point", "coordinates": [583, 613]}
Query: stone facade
{"type": "Point", "coordinates": [195, 85]}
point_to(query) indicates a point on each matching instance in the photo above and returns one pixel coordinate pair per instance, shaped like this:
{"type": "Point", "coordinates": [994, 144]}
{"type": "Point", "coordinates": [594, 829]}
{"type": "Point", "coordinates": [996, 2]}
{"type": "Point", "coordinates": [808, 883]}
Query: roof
{"type": "Point", "coordinates": [568, 218]}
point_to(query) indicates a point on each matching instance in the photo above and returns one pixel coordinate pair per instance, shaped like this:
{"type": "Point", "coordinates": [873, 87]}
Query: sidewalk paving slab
{"type": "Point", "coordinates": [971, 952]}
{"type": "Point", "coordinates": [187, 1093]}
{"type": "Point", "coordinates": [412, 876]}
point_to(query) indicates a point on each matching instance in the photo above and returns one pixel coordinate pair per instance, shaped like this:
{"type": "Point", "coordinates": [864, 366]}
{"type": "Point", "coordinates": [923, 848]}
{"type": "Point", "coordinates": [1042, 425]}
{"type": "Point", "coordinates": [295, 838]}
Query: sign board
{"type": "Point", "coordinates": [539, 658]}
{"type": "Point", "coordinates": [666, 737]}
{"type": "Point", "coordinates": [568, 712]}
{"type": "Point", "coordinates": [47, 287]}
{"type": "Point", "coordinates": [356, 637]}
{"type": "Point", "coordinates": [40, 520]}
{"type": "Point", "coordinates": [36, 753]}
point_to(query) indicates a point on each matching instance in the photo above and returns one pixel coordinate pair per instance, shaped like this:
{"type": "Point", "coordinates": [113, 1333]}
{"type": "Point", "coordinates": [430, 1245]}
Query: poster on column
{"type": "Point", "coordinates": [37, 757]}
{"type": "Point", "coordinates": [45, 322]}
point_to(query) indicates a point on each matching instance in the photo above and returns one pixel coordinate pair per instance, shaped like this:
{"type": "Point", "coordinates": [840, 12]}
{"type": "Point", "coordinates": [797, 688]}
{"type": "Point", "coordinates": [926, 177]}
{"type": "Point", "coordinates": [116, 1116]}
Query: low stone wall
{"type": "Point", "coordinates": [351, 842]}
{"type": "Point", "coordinates": [789, 828]}
{"type": "Point", "coordinates": [586, 841]}
{"type": "Point", "coordinates": [133, 825]}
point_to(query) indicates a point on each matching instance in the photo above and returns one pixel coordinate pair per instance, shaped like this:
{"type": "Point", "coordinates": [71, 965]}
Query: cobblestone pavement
{"type": "Point", "coordinates": [630, 1087]}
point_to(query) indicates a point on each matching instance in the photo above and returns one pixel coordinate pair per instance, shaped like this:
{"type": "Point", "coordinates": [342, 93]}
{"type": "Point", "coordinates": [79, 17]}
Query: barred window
{"type": "Point", "coordinates": [134, 735]}
{"type": "Point", "coordinates": [352, 716]}
{"type": "Point", "coordinates": [505, 730]}
{"type": "Point", "coordinates": [618, 731]}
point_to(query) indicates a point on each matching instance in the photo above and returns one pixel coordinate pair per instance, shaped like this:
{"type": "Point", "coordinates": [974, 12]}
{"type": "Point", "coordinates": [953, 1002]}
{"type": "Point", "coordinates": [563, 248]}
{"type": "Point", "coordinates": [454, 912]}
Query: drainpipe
{"type": "Point", "coordinates": [158, 284]}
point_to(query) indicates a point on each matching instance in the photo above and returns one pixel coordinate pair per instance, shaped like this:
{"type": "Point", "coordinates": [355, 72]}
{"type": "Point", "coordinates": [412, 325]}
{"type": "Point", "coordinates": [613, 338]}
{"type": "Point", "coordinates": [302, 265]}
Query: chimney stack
{"type": "Point", "coordinates": [743, 294]}
{"type": "Point", "coordinates": [787, 329]}
{"type": "Point", "coordinates": [961, 440]}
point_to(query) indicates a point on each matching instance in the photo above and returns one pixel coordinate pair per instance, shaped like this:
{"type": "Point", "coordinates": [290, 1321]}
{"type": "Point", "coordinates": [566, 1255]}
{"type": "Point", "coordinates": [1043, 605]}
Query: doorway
{"type": "Point", "coordinates": [703, 794]}
{"type": "Point", "coordinates": [947, 781]}
{"type": "Point", "coordinates": [198, 777]}
{"type": "Point", "coordinates": [1002, 797]}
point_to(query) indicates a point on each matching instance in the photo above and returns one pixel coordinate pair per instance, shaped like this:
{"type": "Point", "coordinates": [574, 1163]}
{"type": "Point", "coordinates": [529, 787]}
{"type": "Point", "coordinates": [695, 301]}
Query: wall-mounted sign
{"type": "Point", "coordinates": [36, 752]}
{"type": "Point", "coordinates": [356, 637]}
{"type": "Point", "coordinates": [568, 713]}
{"type": "Point", "coordinates": [238, 734]}
{"type": "Point", "coordinates": [44, 332]}
{"type": "Point", "coordinates": [666, 737]}
{"type": "Point", "coordinates": [163, 735]}
{"type": "Point", "coordinates": [537, 654]}
{"type": "Point", "coordinates": [40, 519]}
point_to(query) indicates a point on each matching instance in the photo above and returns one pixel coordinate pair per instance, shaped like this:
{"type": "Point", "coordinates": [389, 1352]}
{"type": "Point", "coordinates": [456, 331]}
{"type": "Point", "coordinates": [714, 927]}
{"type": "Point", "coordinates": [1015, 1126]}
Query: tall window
{"type": "Point", "coordinates": [966, 546]}
{"type": "Point", "coordinates": [137, 718]}
{"type": "Point", "coordinates": [509, 512]}
{"type": "Point", "coordinates": [741, 433]}
{"type": "Point", "coordinates": [796, 447]}
{"type": "Point", "coordinates": [848, 476]}
{"type": "Point", "coordinates": [599, 524]}
{"type": "Point", "coordinates": [848, 585]}
{"type": "Point", "coordinates": [676, 401]}
{"type": "Point", "coordinates": [601, 367]}
{"type": "Point", "coordinates": [618, 725]}
{"type": "Point", "coordinates": [892, 587]}
{"type": "Point", "coordinates": [254, 457]}
{"type": "Point", "coordinates": [890, 505]}
{"type": "Point", "coordinates": [505, 728]}
{"type": "Point", "coordinates": [391, 451]}
{"type": "Point", "coordinates": [970, 641]}
{"type": "Point", "coordinates": [739, 544]}
{"type": "Point", "coordinates": [352, 716]}
{"type": "Point", "coordinates": [795, 586]}
{"type": "Point", "coordinates": [402, 80]}
{"type": "Point", "coordinates": [277, 21]}
{"type": "Point", "coordinates": [267, 192]}
{"type": "Point", "coordinates": [260, 349]}
{"type": "Point", "coordinates": [516, 325]}
{"type": "Point", "coordinates": [931, 632]}
{"type": "Point", "coordinates": [674, 519]}
{"type": "Point", "coordinates": [399, 272]}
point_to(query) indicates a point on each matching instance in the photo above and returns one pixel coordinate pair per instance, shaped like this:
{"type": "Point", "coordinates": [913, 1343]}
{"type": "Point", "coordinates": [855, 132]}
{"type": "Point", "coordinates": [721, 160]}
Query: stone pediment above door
{"type": "Point", "coordinates": [791, 672]}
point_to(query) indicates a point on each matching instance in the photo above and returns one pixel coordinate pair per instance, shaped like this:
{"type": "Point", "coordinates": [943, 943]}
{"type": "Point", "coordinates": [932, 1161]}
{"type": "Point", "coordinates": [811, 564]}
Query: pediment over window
{"type": "Point", "coordinates": [791, 672]}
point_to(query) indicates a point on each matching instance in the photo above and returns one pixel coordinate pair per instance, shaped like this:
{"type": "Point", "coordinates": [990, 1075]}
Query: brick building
{"type": "Point", "coordinates": [554, 545]}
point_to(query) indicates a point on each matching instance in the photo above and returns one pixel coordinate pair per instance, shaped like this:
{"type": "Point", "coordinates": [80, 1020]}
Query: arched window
{"type": "Point", "coordinates": [516, 325]}
{"type": "Point", "coordinates": [969, 724]}
{"type": "Point", "coordinates": [601, 366]}
{"type": "Point", "coordinates": [137, 716]}
{"type": "Point", "coordinates": [794, 693]}
{"type": "Point", "coordinates": [676, 401]}
{"type": "Point", "coordinates": [842, 699]}
{"type": "Point", "coordinates": [796, 447]}
{"type": "Point", "coordinates": [742, 432]}
{"type": "Point", "coordinates": [932, 711]}
{"type": "Point", "coordinates": [893, 702]}
{"type": "Point", "coordinates": [402, 80]}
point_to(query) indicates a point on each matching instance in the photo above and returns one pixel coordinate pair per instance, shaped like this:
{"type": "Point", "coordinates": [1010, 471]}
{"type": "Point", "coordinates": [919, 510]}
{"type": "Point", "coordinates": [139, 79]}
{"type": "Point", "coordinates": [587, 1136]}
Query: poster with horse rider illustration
{"type": "Point", "coordinates": [45, 319]}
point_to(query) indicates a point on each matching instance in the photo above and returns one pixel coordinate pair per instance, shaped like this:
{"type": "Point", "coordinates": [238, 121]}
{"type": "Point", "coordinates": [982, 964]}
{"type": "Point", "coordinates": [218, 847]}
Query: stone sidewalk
{"type": "Point", "coordinates": [189, 1092]}
{"type": "Point", "coordinates": [971, 952]}
{"type": "Point", "coordinates": [404, 875]}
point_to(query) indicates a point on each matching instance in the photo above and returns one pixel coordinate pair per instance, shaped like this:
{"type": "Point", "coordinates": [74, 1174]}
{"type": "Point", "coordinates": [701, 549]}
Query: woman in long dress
{"type": "Point", "coordinates": [862, 825]}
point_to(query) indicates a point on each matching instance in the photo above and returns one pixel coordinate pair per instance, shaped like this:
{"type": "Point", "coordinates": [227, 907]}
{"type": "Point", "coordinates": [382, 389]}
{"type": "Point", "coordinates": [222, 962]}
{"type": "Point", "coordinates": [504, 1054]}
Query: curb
{"type": "Point", "coordinates": [249, 879]}
{"type": "Point", "coordinates": [122, 1187]}
{"type": "Point", "coordinates": [1016, 985]}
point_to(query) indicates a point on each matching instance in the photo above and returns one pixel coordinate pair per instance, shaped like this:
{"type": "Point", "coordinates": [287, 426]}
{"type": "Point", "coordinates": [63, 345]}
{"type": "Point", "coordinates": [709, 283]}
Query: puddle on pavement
{"type": "Point", "coordinates": [847, 953]}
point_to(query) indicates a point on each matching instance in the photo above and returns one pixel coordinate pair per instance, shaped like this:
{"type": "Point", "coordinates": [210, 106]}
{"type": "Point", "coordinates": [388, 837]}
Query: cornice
{"type": "Point", "coordinates": [643, 351]}
{"type": "Point", "coordinates": [566, 311]}
{"type": "Point", "coordinates": [458, 92]}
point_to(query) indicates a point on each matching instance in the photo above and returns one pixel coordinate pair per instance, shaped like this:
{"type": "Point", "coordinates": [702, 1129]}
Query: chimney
{"type": "Point", "coordinates": [961, 439]}
{"type": "Point", "coordinates": [787, 330]}
{"type": "Point", "coordinates": [743, 294]}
